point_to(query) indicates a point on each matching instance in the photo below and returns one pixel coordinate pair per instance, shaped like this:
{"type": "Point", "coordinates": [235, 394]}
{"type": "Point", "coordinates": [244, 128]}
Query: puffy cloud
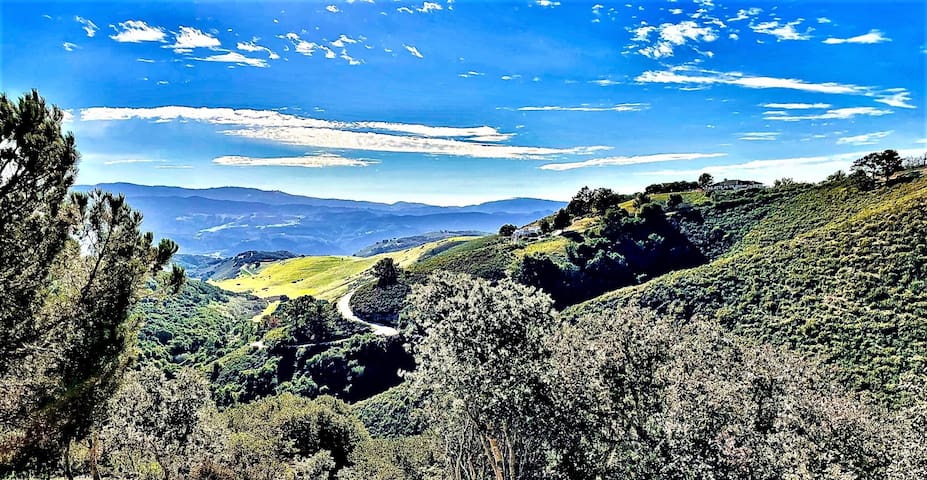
{"type": "Point", "coordinates": [874, 36]}
{"type": "Point", "coordinates": [634, 160]}
{"type": "Point", "coordinates": [189, 38]}
{"type": "Point", "coordinates": [69, 47]}
{"type": "Point", "coordinates": [670, 36]}
{"type": "Point", "coordinates": [252, 46]}
{"type": "Point", "coordinates": [785, 31]}
{"type": "Point", "coordinates": [323, 160]}
{"type": "Point", "coordinates": [332, 9]}
{"type": "Point", "coordinates": [136, 31]}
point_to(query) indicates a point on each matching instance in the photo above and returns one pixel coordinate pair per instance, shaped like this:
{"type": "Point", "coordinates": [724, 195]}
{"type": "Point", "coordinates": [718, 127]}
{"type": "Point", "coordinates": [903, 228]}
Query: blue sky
{"type": "Point", "coordinates": [456, 102]}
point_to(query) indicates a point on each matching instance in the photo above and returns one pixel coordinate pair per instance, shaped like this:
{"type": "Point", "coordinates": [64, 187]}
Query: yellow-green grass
{"type": "Point", "coordinates": [270, 308]}
{"type": "Point", "coordinates": [553, 245]}
{"type": "Point", "coordinates": [693, 197]}
{"type": "Point", "coordinates": [582, 224]}
{"type": "Point", "coordinates": [326, 277]}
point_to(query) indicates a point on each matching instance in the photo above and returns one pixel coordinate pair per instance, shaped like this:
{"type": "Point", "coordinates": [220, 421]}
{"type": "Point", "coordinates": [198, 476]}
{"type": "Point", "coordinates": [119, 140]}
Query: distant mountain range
{"type": "Point", "coordinates": [227, 220]}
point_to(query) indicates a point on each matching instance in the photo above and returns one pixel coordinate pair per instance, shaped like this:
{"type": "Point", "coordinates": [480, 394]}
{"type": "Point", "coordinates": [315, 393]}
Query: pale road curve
{"type": "Point", "coordinates": [344, 307]}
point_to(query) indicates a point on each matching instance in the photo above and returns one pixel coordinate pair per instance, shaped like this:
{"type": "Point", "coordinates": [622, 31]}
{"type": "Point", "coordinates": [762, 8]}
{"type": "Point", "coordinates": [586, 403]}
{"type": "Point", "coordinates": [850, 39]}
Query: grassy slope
{"type": "Point", "coordinates": [326, 277]}
{"type": "Point", "coordinates": [836, 272]}
{"type": "Point", "coordinates": [694, 197]}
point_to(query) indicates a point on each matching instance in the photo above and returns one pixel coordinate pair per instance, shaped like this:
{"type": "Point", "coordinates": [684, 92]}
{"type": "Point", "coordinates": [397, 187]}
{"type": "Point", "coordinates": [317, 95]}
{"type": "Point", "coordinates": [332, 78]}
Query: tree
{"type": "Point", "coordinates": [879, 164]}
{"type": "Point", "coordinates": [640, 200]}
{"type": "Point", "coordinates": [581, 203]}
{"type": "Point", "coordinates": [674, 201]}
{"type": "Point", "coordinates": [71, 270]}
{"type": "Point", "coordinates": [544, 225]}
{"type": "Point", "coordinates": [705, 180]}
{"type": "Point", "coordinates": [507, 230]}
{"type": "Point", "coordinates": [386, 272]}
{"type": "Point", "coordinates": [480, 350]}
{"type": "Point", "coordinates": [561, 219]}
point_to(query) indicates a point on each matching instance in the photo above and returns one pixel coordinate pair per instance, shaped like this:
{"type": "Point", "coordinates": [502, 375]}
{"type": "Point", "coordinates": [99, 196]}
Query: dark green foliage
{"type": "Point", "coordinates": [386, 272]}
{"type": "Point", "coordinates": [588, 201]}
{"type": "Point", "coordinates": [379, 304]}
{"type": "Point", "coordinates": [393, 413]}
{"type": "Point", "coordinates": [487, 257]}
{"type": "Point", "coordinates": [561, 219]}
{"type": "Point", "coordinates": [544, 225]}
{"type": "Point", "coordinates": [408, 458]}
{"type": "Point", "coordinates": [193, 328]}
{"type": "Point", "coordinates": [507, 230]}
{"type": "Point", "coordinates": [308, 320]}
{"type": "Point", "coordinates": [670, 187]}
{"type": "Point", "coordinates": [70, 274]}
{"type": "Point", "coordinates": [879, 164]}
{"type": "Point", "coordinates": [705, 180]}
{"type": "Point", "coordinates": [851, 289]}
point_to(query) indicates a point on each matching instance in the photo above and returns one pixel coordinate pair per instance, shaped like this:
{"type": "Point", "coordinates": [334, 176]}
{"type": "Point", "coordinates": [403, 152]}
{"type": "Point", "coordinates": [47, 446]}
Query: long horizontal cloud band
{"type": "Point", "coordinates": [477, 142]}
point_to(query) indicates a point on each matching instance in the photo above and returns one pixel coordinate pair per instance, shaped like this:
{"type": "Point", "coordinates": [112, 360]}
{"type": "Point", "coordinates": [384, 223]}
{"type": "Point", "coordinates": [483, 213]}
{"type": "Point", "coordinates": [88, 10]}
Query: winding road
{"type": "Point", "coordinates": [344, 307]}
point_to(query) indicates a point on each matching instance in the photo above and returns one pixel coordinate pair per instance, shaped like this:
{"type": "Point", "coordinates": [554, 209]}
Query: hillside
{"type": "Point", "coordinates": [403, 243]}
{"type": "Point", "coordinates": [833, 271]}
{"type": "Point", "coordinates": [326, 277]}
{"type": "Point", "coordinates": [228, 220]}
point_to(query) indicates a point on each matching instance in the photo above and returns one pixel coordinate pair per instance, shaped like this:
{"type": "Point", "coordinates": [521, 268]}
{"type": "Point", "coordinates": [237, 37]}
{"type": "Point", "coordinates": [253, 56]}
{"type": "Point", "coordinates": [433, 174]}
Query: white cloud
{"type": "Point", "coordinates": [745, 14]}
{"type": "Point", "coordinates": [343, 39]}
{"type": "Point", "coordinates": [760, 136]}
{"type": "Point", "coordinates": [896, 97]}
{"type": "Point", "coordinates": [135, 31]}
{"type": "Point", "coordinates": [174, 167]}
{"type": "Point", "coordinates": [252, 46]}
{"type": "Point", "coordinates": [405, 10]}
{"type": "Point", "coordinates": [429, 7]}
{"type": "Point", "coordinates": [547, 3]}
{"type": "Point", "coordinates": [874, 36]}
{"type": "Point", "coordinates": [414, 51]}
{"type": "Point", "coordinates": [796, 106]}
{"type": "Point", "coordinates": [323, 160]}
{"type": "Point", "coordinates": [302, 46]}
{"type": "Point", "coordinates": [235, 57]}
{"type": "Point", "coordinates": [69, 47]}
{"type": "Point", "coordinates": [836, 114]}
{"type": "Point", "coordinates": [823, 20]}
{"type": "Point", "coordinates": [89, 27]}
{"type": "Point", "coordinates": [782, 32]}
{"type": "Point", "coordinates": [287, 129]}
{"type": "Point", "coordinates": [670, 36]}
{"type": "Point", "coordinates": [130, 161]}
{"type": "Point", "coordinates": [624, 107]}
{"type": "Point", "coordinates": [634, 160]}
{"type": "Point", "coordinates": [332, 9]}
{"type": "Point", "coordinates": [189, 38]}
{"type": "Point", "coordinates": [144, 60]}
{"type": "Point", "coordinates": [864, 139]}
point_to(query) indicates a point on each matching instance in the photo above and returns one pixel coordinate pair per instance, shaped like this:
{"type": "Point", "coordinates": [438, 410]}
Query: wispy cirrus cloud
{"type": "Point", "coordinates": [252, 46]}
{"type": "Point", "coordinates": [273, 126]}
{"type": "Point", "coordinates": [323, 160]}
{"type": "Point", "coordinates": [623, 107]}
{"type": "Point", "coordinates": [669, 36]}
{"type": "Point", "coordinates": [89, 27]}
{"type": "Point", "coordinates": [835, 114]}
{"type": "Point", "coordinates": [874, 36]}
{"type": "Point", "coordinates": [760, 136]}
{"type": "Point", "coordinates": [414, 51]}
{"type": "Point", "coordinates": [897, 97]}
{"type": "Point", "coordinates": [234, 57]}
{"type": "Point", "coordinates": [633, 160]}
{"type": "Point", "coordinates": [796, 106]}
{"type": "Point", "coordinates": [136, 31]}
{"type": "Point", "coordinates": [864, 139]}
{"type": "Point", "coordinates": [782, 31]}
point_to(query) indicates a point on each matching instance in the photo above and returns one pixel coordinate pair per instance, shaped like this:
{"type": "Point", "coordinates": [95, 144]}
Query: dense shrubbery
{"type": "Point", "coordinates": [488, 257]}
{"type": "Point", "coordinates": [380, 304]}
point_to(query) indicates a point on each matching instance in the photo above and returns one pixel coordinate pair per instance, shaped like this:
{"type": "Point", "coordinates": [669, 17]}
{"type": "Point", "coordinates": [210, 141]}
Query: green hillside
{"type": "Point", "coordinates": [833, 271]}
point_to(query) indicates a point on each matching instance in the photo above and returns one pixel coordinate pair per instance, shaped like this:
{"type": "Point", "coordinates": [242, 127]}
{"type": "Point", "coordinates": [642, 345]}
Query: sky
{"type": "Point", "coordinates": [459, 102]}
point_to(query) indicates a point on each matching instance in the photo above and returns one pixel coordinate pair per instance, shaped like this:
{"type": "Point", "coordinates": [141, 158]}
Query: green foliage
{"type": "Point", "coordinates": [705, 180]}
{"type": "Point", "coordinates": [70, 274]}
{"type": "Point", "coordinates": [393, 413]}
{"type": "Point", "coordinates": [386, 272]}
{"type": "Point", "coordinates": [850, 288]}
{"type": "Point", "coordinates": [194, 327]}
{"type": "Point", "coordinates": [379, 304]}
{"type": "Point", "coordinates": [883, 164]}
{"type": "Point", "coordinates": [479, 349]}
{"type": "Point", "coordinates": [561, 219]}
{"type": "Point", "coordinates": [671, 187]}
{"type": "Point", "coordinates": [407, 458]}
{"type": "Point", "coordinates": [507, 230]}
{"type": "Point", "coordinates": [488, 257]}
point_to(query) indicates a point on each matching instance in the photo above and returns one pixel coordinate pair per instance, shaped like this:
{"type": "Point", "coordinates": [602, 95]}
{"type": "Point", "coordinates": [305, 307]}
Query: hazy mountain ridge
{"type": "Point", "coordinates": [229, 220]}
